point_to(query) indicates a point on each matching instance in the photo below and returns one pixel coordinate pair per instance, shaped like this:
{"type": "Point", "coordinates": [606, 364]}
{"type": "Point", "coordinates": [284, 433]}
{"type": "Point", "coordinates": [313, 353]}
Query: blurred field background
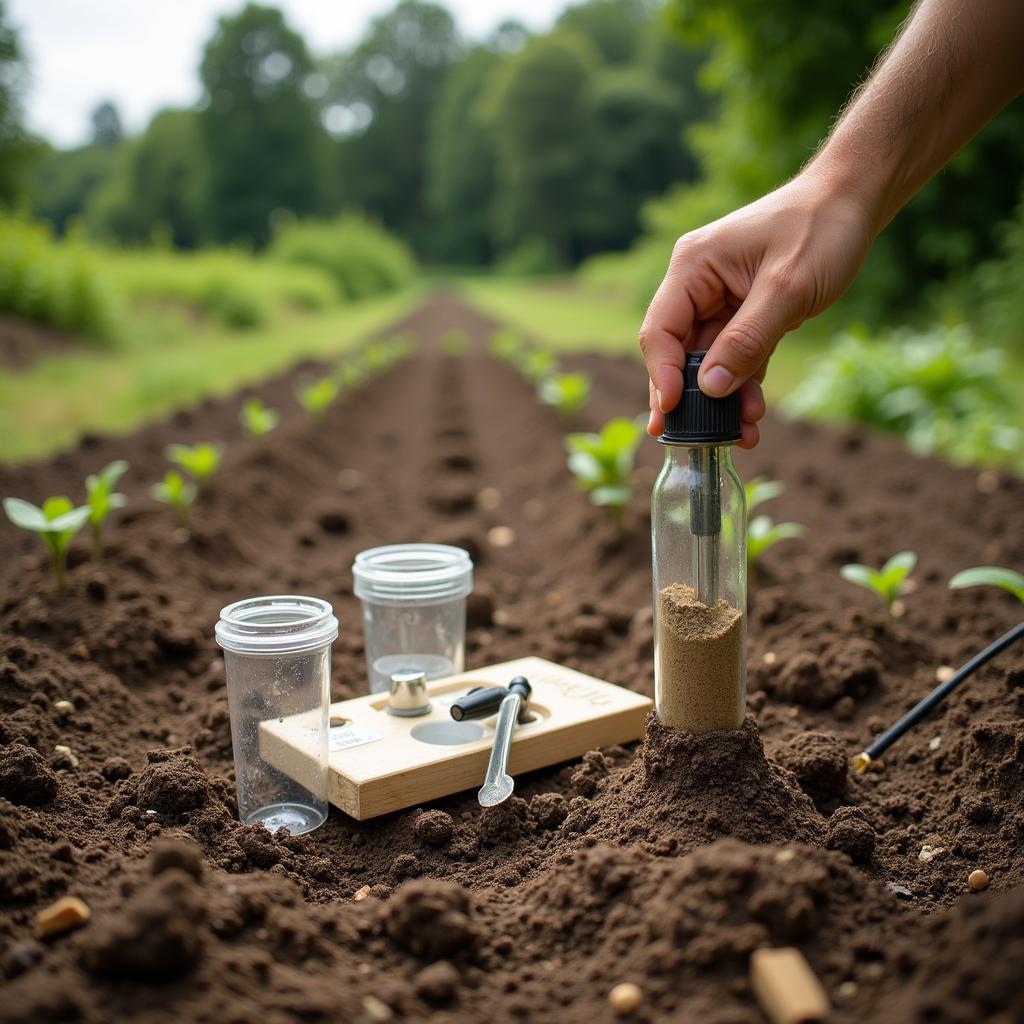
{"type": "Point", "coordinates": [311, 198]}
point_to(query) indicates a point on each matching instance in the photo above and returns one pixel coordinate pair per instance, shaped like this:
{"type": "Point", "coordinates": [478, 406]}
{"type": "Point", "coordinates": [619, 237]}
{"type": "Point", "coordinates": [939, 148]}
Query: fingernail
{"type": "Point", "coordinates": [716, 381]}
{"type": "Point", "coordinates": [650, 421]}
{"type": "Point", "coordinates": [661, 404]}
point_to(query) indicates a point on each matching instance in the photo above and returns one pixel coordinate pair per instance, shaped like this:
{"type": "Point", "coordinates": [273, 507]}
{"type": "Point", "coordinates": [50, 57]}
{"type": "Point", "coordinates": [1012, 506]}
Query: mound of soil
{"type": "Point", "coordinates": [663, 864]}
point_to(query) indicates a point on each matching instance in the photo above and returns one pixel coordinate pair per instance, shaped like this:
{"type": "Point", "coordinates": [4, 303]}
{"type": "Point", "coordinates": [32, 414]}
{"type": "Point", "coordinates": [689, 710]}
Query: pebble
{"type": "Point", "coordinates": [360, 894]}
{"type": "Point", "coordinates": [944, 673]}
{"type": "Point", "coordinates": [625, 998]}
{"type": "Point", "coordinates": [65, 756]}
{"type": "Point", "coordinates": [988, 481]}
{"type": "Point", "coordinates": [935, 742]}
{"type": "Point", "coordinates": [501, 536]}
{"type": "Point", "coordinates": [929, 853]}
{"type": "Point", "coordinates": [848, 989]}
{"type": "Point", "coordinates": [67, 913]}
{"type": "Point", "coordinates": [977, 880]}
{"type": "Point", "coordinates": [350, 480]}
{"type": "Point", "coordinates": [898, 609]}
{"type": "Point", "coordinates": [64, 708]}
{"type": "Point", "coordinates": [489, 498]}
{"type": "Point", "coordinates": [377, 1009]}
{"type": "Point", "coordinates": [770, 657]}
{"type": "Point", "coordinates": [784, 856]}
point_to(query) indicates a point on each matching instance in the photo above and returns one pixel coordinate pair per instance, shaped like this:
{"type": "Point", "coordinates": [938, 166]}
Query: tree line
{"type": "Point", "coordinates": [531, 149]}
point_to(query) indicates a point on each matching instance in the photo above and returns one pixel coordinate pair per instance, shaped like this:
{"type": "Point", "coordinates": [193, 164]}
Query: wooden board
{"type": "Point", "coordinates": [377, 763]}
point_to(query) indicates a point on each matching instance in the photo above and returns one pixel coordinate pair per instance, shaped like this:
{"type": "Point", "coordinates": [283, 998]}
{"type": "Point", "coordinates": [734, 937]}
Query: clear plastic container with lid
{"type": "Point", "coordinates": [414, 609]}
{"type": "Point", "coordinates": [277, 658]}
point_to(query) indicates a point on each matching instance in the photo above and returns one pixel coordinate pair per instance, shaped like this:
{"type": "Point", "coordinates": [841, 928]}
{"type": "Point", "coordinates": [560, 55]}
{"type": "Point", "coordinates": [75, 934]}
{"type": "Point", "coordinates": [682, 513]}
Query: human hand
{"type": "Point", "coordinates": [736, 286]}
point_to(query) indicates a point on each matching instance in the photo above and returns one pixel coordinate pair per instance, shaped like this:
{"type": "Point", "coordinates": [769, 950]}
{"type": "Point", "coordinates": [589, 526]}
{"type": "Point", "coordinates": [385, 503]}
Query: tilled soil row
{"type": "Point", "coordinates": [664, 864]}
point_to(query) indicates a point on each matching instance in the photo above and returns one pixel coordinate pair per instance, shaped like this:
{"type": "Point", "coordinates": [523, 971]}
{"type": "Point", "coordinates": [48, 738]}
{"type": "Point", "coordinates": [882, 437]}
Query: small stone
{"type": "Point", "coordinates": [501, 536]}
{"type": "Point", "coordinates": [67, 913]}
{"type": "Point", "coordinates": [770, 657]}
{"type": "Point", "coordinates": [625, 998]}
{"type": "Point", "coordinates": [847, 990]}
{"type": "Point", "coordinates": [929, 853]}
{"type": "Point", "coordinates": [115, 768]}
{"type": "Point", "coordinates": [65, 757]}
{"type": "Point", "coordinates": [977, 880]}
{"type": "Point", "coordinates": [899, 890]}
{"type": "Point", "coordinates": [350, 480]}
{"type": "Point", "coordinates": [935, 742]}
{"type": "Point", "coordinates": [64, 708]}
{"type": "Point", "coordinates": [79, 650]}
{"type": "Point", "coordinates": [944, 673]}
{"type": "Point", "coordinates": [489, 498]}
{"type": "Point", "coordinates": [361, 893]}
{"type": "Point", "coordinates": [897, 609]}
{"type": "Point", "coordinates": [988, 481]}
{"type": "Point", "coordinates": [377, 1009]}
{"type": "Point", "coordinates": [784, 856]}
{"type": "Point", "coordinates": [850, 832]}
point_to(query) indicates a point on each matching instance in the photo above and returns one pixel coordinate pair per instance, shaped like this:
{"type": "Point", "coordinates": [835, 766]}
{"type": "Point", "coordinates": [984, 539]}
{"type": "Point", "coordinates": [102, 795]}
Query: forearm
{"type": "Point", "coordinates": [955, 65]}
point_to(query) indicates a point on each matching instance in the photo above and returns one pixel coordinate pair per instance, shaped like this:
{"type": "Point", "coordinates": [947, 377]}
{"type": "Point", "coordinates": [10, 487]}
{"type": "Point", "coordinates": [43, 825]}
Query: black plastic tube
{"type": "Point", "coordinates": [941, 692]}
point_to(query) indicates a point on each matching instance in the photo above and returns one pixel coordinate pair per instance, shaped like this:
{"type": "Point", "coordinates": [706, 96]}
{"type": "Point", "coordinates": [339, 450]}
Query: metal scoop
{"type": "Point", "coordinates": [498, 784]}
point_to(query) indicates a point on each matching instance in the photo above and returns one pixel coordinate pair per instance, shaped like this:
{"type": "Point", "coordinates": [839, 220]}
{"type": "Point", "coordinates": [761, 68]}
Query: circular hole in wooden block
{"type": "Point", "coordinates": [447, 734]}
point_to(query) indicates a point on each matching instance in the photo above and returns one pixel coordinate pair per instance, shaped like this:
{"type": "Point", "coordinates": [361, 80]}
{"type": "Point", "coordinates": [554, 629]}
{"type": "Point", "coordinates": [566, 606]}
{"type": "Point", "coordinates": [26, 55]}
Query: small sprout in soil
{"type": "Point", "coordinates": [567, 392]}
{"type": "Point", "coordinates": [351, 373]}
{"type": "Point", "coordinates": [761, 489]}
{"type": "Point", "coordinates": [603, 463]}
{"type": "Point", "coordinates": [257, 419]}
{"type": "Point", "coordinates": [506, 346]}
{"type": "Point", "coordinates": [889, 582]}
{"type": "Point", "coordinates": [316, 398]}
{"type": "Point", "coordinates": [57, 522]}
{"type": "Point", "coordinates": [536, 365]}
{"type": "Point", "coordinates": [102, 499]}
{"type": "Point", "coordinates": [454, 343]}
{"type": "Point", "coordinates": [199, 461]}
{"type": "Point", "coordinates": [762, 533]}
{"type": "Point", "coordinates": [990, 576]}
{"type": "Point", "coordinates": [176, 491]}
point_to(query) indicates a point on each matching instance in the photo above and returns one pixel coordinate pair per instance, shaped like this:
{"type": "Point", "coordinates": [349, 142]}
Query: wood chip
{"type": "Point", "coordinates": [786, 987]}
{"type": "Point", "coordinates": [67, 913]}
{"type": "Point", "coordinates": [377, 1009]}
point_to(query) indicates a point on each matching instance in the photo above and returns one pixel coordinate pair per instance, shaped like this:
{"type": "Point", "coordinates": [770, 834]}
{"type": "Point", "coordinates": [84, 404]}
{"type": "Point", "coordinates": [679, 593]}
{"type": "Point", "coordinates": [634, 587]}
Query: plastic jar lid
{"type": "Point", "coordinates": [285, 624]}
{"type": "Point", "coordinates": [413, 574]}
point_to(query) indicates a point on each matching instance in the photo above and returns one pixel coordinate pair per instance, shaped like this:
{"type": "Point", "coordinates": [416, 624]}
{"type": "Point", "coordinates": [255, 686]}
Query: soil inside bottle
{"type": "Point", "coordinates": [700, 662]}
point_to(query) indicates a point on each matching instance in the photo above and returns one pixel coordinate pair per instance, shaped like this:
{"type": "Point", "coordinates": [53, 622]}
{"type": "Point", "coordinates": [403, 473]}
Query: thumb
{"type": "Point", "coordinates": [749, 338]}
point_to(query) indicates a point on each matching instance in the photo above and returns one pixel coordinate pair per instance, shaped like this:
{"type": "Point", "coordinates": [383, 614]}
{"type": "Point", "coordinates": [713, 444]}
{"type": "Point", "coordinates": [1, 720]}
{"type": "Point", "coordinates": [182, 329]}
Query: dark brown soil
{"type": "Point", "coordinates": [664, 864]}
{"type": "Point", "coordinates": [23, 342]}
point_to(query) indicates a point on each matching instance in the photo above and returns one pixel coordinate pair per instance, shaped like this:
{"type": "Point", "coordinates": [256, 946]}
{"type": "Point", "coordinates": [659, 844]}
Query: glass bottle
{"type": "Point", "coordinates": [698, 527]}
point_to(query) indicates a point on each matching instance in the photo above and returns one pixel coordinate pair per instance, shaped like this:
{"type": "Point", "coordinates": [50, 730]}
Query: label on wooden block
{"type": "Point", "coordinates": [380, 763]}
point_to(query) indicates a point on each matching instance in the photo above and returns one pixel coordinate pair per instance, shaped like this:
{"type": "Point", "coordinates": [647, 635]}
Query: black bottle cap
{"type": "Point", "coordinates": [698, 419]}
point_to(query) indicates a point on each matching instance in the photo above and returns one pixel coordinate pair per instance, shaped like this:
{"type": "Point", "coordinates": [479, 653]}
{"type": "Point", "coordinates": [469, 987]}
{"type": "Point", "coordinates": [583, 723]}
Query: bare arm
{"type": "Point", "coordinates": [738, 285]}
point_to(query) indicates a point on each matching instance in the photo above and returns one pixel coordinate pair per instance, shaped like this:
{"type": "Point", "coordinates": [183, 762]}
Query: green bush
{"type": "Point", "coordinates": [938, 389]}
{"type": "Point", "coordinates": [362, 258]}
{"type": "Point", "coordinates": [54, 282]}
{"type": "Point", "coordinates": [995, 296]}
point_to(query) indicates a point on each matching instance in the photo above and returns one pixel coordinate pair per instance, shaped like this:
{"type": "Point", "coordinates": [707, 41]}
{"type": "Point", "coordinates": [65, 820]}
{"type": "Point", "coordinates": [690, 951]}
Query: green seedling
{"type": "Point", "coordinates": [176, 491]}
{"type": "Point", "coordinates": [889, 582]}
{"type": "Point", "coordinates": [567, 392]}
{"type": "Point", "coordinates": [455, 343]}
{"type": "Point", "coordinates": [603, 463]}
{"type": "Point", "coordinates": [506, 345]}
{"type": "Point", "coordinates": [351, 373]}
{"type": "Point", "coordinates": [761, 489]}
{"type": "Point", "coordinates": [536, 365]}
{"type": "Point", "coordinates": [762, 533]}
{"type": "Point", "coordinates": [257, 419]}
{"type": "Point", "coordinates": [200, 461]}
{"type": "Point", "coordinates": [102, 499]}
{"type": "Point", "coordinates": [990, 576]}
{"type": "Point", "coordinates": [57, 522]}
{"type": "Point", "coordinates": [317, 398]}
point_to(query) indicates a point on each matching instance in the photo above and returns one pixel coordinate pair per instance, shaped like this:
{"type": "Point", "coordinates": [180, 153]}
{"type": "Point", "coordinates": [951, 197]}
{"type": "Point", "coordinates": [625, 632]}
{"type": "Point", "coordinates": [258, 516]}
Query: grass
{"type": "Point", "coordinates": [168, 361]}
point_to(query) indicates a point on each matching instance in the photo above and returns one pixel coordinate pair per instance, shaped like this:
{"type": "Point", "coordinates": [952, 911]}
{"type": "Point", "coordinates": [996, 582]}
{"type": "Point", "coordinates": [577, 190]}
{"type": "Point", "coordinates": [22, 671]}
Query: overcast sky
{"type": "Point", "coordinates": [144, 54]}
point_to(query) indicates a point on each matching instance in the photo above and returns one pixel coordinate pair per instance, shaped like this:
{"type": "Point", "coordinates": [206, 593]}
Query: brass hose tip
{"type": "Point", "coordinates": [861, 763]}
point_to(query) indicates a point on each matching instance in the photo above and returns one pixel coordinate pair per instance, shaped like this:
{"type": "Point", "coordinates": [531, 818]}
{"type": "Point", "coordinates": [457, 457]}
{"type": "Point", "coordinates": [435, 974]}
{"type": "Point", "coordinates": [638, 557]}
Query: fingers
{"type": "Point", "coordinates": [746, 342]}
{"type": "Point", "coordinates": [752, 404]}
{"type": "Point", "coordinates": [751, 435]}
{"type": "Point", "coordinates": [656, 423]}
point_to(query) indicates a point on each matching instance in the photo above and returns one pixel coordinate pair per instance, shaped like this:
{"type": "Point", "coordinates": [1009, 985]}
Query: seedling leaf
{"type": "Point", "coordinates": [316, 398]}
{"type": "Point", "coordinates": [199, 461]}
{"type": "Point", "coordinates": [257, 419]}
{"type": "Point", "coordinates": [761, 489]}
{"type": "Point", "coordinates": [102, 499]}
{"type": "Point", "coordinates": [176, 491]}
{"type": "Point", "coordinates": [603, 463]}
{"type": "Point", "coordinates": [990, 576]}
{"type": "Point", "coordinates": [57, 522]}
{"type": "Point", "coordinates": [567, 392]}
{"type": "Point", "coordinates": [762, 533]}
{"type": "Point", "coordinates": [889, 583]}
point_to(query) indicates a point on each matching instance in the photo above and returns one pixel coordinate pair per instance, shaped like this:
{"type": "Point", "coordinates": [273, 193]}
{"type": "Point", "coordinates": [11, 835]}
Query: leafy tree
{"type": "Point", "coordinates": [107, 129]}
{"type": "Point", "coordinates": [378, 107]}
{"type": "Point", "coordinates": [460, 160]}
{"type": "Point", "coordinates": [258, 129]}
{"type": "Point", "coordinates": [542, 110]}
{"type": "Point", "coordinates": [160, 183]}
{"type": "Point", "coordinates": [64, 182]}
{"type": "Point", "coordinates": [615, 27]}
{"type": "Point", "coordinates": [17, 150]}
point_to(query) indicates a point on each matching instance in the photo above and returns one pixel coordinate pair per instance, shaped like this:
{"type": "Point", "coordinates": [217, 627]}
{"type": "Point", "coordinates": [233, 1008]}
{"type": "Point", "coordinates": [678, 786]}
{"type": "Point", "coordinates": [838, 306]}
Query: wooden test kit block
{"type": "Point", "coordinates": [381, 762]}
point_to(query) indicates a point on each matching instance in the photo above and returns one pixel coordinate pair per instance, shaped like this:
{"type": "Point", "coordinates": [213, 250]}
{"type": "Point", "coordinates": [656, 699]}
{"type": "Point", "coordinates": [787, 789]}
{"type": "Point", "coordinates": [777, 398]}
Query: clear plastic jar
{"type": "Point", "coordinates": [698, 524]}
{"type": "Point", "coordinates": [277, 658]}
{"type": "Point", "coordinates": [414, 609]}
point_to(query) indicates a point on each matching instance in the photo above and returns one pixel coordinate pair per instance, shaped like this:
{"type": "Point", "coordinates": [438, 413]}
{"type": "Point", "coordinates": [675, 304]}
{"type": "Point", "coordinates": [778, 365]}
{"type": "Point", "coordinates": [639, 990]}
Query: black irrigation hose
{"type": "Point", "coordinates": [863, 760]}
